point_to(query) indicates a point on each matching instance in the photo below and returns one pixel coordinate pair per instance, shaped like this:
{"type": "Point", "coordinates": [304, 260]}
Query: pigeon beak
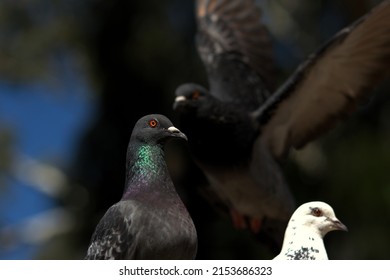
{"type": "Point", "coordinates": [178, 100]}
{"type": "Point", "coordinates": [339, 225]}
{"type": "Point", "coordinates": [176, 133]}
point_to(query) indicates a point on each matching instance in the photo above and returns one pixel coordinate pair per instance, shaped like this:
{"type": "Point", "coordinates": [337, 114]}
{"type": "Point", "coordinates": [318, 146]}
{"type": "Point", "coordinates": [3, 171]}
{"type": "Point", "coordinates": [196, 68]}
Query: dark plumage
{"type": "Point", "coordinates": [150, 221]}
{"type": "Point", "coordinates": [238, 131]}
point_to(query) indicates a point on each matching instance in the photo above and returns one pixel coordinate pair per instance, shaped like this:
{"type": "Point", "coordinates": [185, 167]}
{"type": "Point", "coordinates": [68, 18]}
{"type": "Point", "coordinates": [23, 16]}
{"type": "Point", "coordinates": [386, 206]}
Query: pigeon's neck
{"type": "Point", "coordinates": [215, 129]}
{"type": "Point", "coordinates": [146, 170]}
{"type": "Point", "coordinates": [303, 242]}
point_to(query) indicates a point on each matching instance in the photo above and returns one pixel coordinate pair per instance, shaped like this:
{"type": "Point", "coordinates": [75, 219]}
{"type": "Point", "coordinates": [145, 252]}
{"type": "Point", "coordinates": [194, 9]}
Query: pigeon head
{"type": "Point", "coordinates": [155, 129]}
{"type": "Point", "coordinates": [145, 164]}
{"type": "Point", "coordinates": [201, 114]}
{"type": "Point", "coordinates": [319, 216]}
{"type": "Point", "coordinates": [190, 96]}
{"type": "Point", "coordinates": [306, 229]}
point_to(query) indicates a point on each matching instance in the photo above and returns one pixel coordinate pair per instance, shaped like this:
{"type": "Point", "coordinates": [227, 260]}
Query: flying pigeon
{"type": "Point", "coordinates": [150, 221]}
{"type": "Point", "coordinates": [305, 231]}
{"type": "Point", "coordinates": [249, 126]}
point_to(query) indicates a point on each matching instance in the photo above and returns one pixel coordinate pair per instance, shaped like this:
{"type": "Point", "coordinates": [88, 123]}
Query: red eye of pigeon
{"type": "Point", "coordinates": [195, 95]}
{"type": "Point", "coordinates": [152, 123]}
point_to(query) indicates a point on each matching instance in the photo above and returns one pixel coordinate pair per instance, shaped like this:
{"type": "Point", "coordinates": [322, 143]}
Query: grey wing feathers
{"type": "Point", "coordinates": [230, 32]}
{"type": "Point", "coordinates": [112, 238]}
{"type": "Point", "coordinates": [330, 84]}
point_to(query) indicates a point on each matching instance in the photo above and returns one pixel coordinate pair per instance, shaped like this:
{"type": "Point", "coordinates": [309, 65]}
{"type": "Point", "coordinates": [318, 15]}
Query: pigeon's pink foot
{"type": "Point", "coordinates": [255, 224]}
{"type": "Point", "coordinates": [238, 219]}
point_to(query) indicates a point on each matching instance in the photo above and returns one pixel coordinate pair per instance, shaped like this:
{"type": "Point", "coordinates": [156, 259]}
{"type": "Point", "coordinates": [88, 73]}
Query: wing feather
{"type": "Point", "coordinates": [233, 44]}
{"type": "Point", "coordinates": [330, 84]}
{"type": "Point", "coordinates": [113, 238]}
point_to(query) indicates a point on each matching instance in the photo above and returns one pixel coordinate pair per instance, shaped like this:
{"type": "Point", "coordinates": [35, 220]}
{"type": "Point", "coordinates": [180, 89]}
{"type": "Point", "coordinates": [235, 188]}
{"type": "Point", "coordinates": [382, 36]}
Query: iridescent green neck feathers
{"type": "Point", "coordinates": [146, 169]}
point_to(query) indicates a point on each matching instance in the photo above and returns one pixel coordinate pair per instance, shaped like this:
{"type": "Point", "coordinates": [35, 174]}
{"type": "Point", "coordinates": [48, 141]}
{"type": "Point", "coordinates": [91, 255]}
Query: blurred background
{"type": "Point", "coordinates": [75, 76]}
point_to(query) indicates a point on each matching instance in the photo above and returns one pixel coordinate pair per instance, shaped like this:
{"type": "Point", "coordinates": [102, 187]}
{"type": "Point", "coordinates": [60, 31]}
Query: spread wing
{"type": "Point", "coordinates": [330, 84]}
{"type": "Point", "coordinates": [236, 50]}
{"type": "Point", "coordinates": [112, 238]}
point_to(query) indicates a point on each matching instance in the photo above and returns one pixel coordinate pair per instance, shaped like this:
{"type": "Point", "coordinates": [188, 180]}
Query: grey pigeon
{"type": "Point", "coordinates": [238, 131]}
{"type": "Point", "coordinates": [305, 231]}
{"type": "Point", "coordinates": [237, 53]}
{"type": "Point", "coordinates": [150, 221]}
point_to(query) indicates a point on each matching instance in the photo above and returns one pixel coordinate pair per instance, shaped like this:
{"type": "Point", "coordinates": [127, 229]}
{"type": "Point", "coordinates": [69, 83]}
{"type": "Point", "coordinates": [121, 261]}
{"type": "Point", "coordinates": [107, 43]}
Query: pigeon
{"type": "Point", "coordinates": [237, 53]}
{"type": "Point", "coordinates": [305, 231]}
{"type": "Point", "coordinates": [150, 221]}
{"type": "Point", "coordinates": [241, 129]}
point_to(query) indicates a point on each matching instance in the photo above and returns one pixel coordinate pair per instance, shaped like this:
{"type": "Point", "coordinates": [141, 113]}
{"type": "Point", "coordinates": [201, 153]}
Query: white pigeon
{"type": "Point", "coordinates": [303, 239]}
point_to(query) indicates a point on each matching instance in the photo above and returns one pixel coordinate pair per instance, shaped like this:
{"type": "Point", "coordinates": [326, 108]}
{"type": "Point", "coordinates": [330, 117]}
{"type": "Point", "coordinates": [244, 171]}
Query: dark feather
{"type": "Point", "coordinates": [112, 238]}
{"type": "Point", "coordinates": [236, 51]}
{"type": "Point", "coordinates": [330, 84]}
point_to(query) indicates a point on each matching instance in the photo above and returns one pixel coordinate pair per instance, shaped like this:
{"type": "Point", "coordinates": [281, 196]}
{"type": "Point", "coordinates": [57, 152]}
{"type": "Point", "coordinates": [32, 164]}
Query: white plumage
{"type": "Point", "coordinates": [303, 239]}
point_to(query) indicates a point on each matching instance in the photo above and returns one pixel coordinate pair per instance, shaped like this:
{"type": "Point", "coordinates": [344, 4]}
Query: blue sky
{"type": "Point", "coordinates": [47, 122]}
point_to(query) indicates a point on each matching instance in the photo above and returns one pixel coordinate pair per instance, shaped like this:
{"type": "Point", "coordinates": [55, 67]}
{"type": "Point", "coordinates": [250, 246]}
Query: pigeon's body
{"type": "Point", "coordinates": [254, 188]}
{"type": "Point", "coordinates": [306, 229]}
{"type": "Point", "coordinates": [236, 51]}
{"type": "Point", "coordinates": [249, 131]}
{"type": "Point", "coordinates": [150, 221]}
{"type": "Point", "coordinates": [306, 246]}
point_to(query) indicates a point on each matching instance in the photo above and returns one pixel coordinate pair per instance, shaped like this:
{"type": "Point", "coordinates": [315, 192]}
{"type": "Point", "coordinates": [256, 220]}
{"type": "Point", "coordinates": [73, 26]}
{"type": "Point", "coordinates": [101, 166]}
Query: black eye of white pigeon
{"type": "Point", "coordinates": [317, 212]}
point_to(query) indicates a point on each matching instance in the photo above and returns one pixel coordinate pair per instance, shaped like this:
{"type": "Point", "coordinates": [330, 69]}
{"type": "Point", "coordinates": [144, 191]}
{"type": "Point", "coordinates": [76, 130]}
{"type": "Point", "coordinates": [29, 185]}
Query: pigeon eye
{"type": "Point", "coordinates": [195, 94]}
{"type": "Point", "coordinates": [152, 123]}
{"type": "Point", "coordinates": [316, 212]}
